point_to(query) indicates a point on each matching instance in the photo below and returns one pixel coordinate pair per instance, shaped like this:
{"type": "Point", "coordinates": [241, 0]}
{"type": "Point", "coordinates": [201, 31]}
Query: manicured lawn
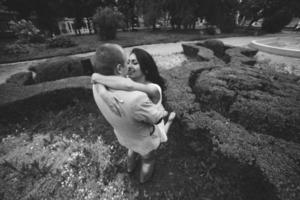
{"type": "Point", "coordinates": [87, 43]}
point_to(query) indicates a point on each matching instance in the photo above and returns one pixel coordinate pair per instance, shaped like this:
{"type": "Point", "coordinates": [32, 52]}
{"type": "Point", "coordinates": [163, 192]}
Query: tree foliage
{"type": "Point", "coordinates": [151, 10]}
{"type": "Point", "coordinates": [221, 13]}
{"type": "Point", "coordinates": [2, 6]}
{"type": "Point", "coordinates": [25, 31]}
{"type": "Point", "coordinates": [181, 13]}
{"type": "Point", "coordinates": [129, 9]}
{"type": "Point", "coordinates": [106, 22]}
{"type": "Point", "coordinates": [276, 13]}
{"type": "Point", "coordinates": [43, 13]}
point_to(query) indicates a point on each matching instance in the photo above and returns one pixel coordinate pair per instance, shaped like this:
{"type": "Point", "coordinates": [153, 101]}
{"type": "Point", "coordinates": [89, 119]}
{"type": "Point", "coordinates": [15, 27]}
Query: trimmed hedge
{"type": "Point", "coordinates": [252, 98]}
{"type": "Point", "coordinates": [267, 167]}
{"type": "Point", "coordinates": [21, 78]}
{"type": "Point", "coordinates": [17, 102]}
{"type": "Point", "coordinates": [217, 88]}
{"type": "Point", "coordinates": [59, 68]}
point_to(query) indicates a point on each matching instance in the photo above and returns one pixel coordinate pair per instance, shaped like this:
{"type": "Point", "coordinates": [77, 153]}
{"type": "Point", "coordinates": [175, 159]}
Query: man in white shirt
{"type": "Point", "coordinates": [135, 129]}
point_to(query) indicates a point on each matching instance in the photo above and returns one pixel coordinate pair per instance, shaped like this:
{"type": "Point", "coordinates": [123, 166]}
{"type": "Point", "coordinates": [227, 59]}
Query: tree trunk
{"type": "Point", "coordinates": [89, 26]}
{"type": "Point", "coordinates": [253, 20]}
{"type": "Point", "coordinates": [153, 27]}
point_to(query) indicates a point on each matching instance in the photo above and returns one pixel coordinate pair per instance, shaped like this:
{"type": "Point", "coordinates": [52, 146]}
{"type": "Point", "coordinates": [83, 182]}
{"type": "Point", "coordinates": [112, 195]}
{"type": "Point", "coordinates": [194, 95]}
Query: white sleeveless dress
{"type": "Point", "coordinates": [161, 126]}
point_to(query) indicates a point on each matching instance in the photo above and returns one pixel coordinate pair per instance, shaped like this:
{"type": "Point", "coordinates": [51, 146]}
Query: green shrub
{"type": "Point", "coordinates": [216, 46]}
{"type": "Point", "coordinates": [107, 22]}
{"type": "Point", "coordinates": [16, 48]}
{"type": "Point", "coordinates": [275, 159]}
{"type": "Point", "coordinates": [26, 31]}
{"type": "Point", "coordinates": [250, 97]}
{"type": "Point", "coordinates": [60, 42]}
{"type": "Point", "coordinates": [276, 22]}
{"type": "Point", "coordinates": [40, 38]}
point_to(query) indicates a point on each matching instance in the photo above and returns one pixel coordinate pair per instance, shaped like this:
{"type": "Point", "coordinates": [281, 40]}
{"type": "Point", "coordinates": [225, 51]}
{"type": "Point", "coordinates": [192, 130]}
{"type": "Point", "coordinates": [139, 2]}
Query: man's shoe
{"type": "Point", "coordinates": [147, 169]}
{"type": "Point", "coordinates": [131, 161]}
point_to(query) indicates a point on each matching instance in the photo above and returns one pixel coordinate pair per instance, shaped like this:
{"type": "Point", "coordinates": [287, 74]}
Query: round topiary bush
{"type": "Point", "coordinates": [106, 22]}
{"type": "Point", "coordinates": [216, 46]}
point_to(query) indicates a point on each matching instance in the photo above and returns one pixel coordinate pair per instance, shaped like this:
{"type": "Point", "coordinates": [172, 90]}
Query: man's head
{"type": "Point", "coordinates": [110, 59]}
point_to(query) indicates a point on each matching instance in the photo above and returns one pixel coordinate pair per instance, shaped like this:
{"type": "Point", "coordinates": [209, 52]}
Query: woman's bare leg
{"type": "Point", "coordinates": [170, 121]}
{"type": "Point", "coordinates": [131, 160]}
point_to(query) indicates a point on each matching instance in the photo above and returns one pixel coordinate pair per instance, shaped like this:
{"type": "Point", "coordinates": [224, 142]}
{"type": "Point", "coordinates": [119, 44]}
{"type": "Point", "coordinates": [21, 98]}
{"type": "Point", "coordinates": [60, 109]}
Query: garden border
{"type": "Point", "coordinates": [257, 44]}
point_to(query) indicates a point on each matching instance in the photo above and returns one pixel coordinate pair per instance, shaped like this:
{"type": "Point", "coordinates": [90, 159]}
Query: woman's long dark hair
{"type": "Point", "coordinates": [148, 67]}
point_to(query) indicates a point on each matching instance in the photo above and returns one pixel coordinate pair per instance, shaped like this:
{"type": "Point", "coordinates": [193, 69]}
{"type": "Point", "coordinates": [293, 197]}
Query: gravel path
{"type": "Point", "coordinates": [167, 56]}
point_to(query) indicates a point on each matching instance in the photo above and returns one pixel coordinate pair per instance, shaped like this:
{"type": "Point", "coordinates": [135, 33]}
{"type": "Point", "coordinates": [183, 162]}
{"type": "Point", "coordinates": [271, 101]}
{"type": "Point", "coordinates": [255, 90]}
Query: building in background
{"type": "Point", "coordinates": [67, 26]}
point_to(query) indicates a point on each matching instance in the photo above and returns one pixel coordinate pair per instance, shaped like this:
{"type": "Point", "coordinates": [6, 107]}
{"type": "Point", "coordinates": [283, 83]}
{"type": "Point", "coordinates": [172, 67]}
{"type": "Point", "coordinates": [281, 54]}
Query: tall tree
{"type": "Point", "coordinates": [2, 6]}
{"type": "Point", "coordinates": [23, 7]}
{"type": "Point", "coordinates": [251, 10]}
{"type": "Point", "coordinates": [221, 13]}
{"type": "Point", "coordinates": [80, 9]}
{"type": "Point", "coordinates": [182, 12]}
{"type": "Point", "coordinates": [254, 10]}
{"type": "Point", "coordinates": [46, 11]}
{"type": "Point", "coordinates": [129, 9]}
{"type": "Point", "coordinates": [151, 10]}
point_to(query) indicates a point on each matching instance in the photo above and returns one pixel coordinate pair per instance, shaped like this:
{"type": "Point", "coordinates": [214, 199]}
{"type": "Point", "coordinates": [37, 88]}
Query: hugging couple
{"type": "Point", "coordinates": [128, 93]}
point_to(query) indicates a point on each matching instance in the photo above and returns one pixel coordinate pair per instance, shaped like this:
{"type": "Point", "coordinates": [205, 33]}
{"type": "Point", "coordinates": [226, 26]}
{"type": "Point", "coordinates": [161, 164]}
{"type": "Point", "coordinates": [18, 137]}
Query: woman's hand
{"type": "Point", "coordinates": [109, 99]}
{"type": "Point", "coordinates": [94, 78]}
{"type": "Point", "coordinates": [113, 103]}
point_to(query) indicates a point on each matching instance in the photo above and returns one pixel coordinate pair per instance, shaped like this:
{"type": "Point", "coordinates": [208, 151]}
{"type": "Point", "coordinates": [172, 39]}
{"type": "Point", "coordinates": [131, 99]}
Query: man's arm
{"type": "Point", "coordinates": [148, 112]}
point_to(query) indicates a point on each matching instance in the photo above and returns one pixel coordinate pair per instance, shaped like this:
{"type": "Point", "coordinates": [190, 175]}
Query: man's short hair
{"type": "Point", "coordinates": [107, 57]}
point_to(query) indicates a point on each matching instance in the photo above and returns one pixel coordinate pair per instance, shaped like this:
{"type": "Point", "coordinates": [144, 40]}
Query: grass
{"type": "Point", "coordinates": [87, 43]}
